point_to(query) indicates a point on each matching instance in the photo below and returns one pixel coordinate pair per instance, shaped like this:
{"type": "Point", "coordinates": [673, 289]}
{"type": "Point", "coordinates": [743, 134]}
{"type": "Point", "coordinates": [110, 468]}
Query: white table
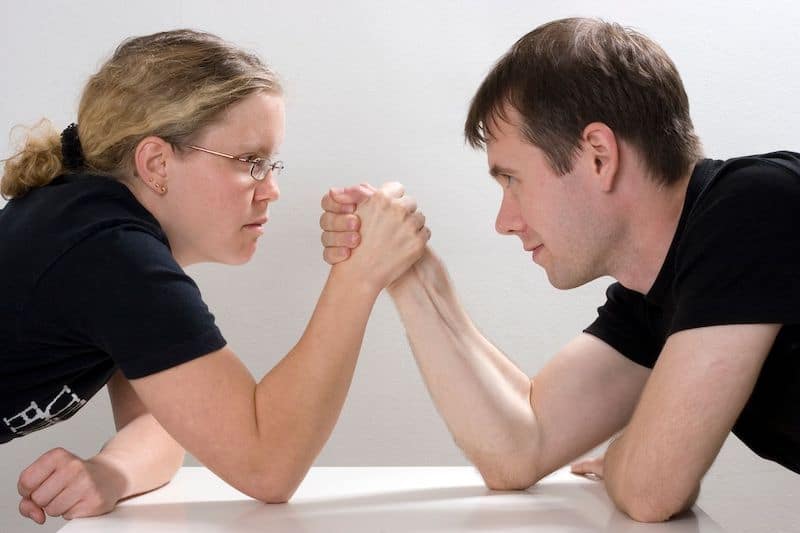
{"type": "Point", "coordinates": [373, 499]}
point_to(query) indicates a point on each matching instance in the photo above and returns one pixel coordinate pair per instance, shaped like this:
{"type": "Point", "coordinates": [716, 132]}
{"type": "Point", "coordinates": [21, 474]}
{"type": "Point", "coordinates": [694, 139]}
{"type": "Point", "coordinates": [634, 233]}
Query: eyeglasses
{"type": "Point", "coordinates": [259, 166]}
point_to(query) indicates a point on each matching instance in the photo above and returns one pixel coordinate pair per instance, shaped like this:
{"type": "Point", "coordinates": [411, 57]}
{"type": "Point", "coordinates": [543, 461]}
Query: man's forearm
{"type": "Point", "coordinates": [483, 397]}
{"type": "Point", "coordinates": [142, 456]}
{"type": "Point", "coordinates": [635, 492]}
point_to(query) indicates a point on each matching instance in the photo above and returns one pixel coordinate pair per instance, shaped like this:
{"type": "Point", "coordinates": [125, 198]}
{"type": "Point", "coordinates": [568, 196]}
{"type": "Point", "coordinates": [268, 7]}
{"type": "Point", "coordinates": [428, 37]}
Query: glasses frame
{"type": "Point", "coordinates": [265, 163]}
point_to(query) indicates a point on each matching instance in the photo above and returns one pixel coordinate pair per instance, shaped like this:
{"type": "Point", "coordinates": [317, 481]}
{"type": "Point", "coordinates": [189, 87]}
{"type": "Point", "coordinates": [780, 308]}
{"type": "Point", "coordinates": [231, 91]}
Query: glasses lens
{"type": "Point", "coordinates": [262, 167]}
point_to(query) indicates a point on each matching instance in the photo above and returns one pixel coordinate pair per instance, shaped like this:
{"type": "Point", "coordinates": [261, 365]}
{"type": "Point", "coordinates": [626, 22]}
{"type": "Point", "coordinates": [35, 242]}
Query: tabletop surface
{"type": "Point", "coordinates": [355, 499]}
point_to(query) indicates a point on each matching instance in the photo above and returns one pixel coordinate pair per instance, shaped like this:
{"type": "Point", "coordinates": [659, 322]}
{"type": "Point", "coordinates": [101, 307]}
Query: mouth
{"type": "Point", "coordinates": [534, 249]}
{"type": "Point", "coordinates": [257, 225]}
{"type": "Point", "coordinates": [258, 222]}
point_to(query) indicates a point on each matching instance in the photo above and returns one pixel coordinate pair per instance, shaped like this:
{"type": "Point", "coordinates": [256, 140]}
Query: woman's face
{"type": "Point", "coordinates": [214, 211]}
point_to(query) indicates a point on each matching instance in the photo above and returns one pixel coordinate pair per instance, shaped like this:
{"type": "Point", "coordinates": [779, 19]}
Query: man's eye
{"type": "Point", "coordinates": [508, 179]}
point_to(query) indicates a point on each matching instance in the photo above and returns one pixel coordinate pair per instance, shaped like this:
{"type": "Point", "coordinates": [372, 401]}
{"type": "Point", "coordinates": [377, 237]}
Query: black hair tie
{"type": "Point", "coordinates": [71, 151]}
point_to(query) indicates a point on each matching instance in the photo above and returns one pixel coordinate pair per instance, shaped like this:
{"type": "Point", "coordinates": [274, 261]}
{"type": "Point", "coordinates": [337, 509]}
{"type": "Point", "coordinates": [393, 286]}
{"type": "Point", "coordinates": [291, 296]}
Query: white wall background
{"type": "Point", "coordinates": [378, 91]}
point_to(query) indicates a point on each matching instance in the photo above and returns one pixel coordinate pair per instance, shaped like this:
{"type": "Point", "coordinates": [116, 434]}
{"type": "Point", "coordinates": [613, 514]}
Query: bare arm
{"type": "Point", "coordinates": [697, 389]}
{"type": "Point", "coordinates": [514, 429]}
{"type": "Point", "coordinates": [142, 453]}
{"type": "Point", "coordinates": [262, 437]}
{"type": "Point", "coordinates": [140, 457]}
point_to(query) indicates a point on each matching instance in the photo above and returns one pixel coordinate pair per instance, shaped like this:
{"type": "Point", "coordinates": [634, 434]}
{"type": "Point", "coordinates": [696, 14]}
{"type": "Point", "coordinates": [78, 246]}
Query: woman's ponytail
{"type": "Point", "coordinates": [37, 162]}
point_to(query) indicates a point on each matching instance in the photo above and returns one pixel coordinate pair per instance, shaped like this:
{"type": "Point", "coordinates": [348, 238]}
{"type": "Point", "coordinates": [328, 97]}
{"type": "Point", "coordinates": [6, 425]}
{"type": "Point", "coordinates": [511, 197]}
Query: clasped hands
{"type": "Point", "coordinates": [345, 225]}
{"type": "Point", "coordinates": [340, 224]}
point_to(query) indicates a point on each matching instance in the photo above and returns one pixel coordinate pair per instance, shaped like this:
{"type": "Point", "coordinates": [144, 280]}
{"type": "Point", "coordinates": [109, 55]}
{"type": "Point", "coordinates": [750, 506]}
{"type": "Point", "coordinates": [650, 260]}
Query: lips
{"type": "Point", "coordinates": [260, 222]}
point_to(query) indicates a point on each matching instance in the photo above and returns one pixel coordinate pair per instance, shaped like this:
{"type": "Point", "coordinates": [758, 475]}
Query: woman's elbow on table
{"type": "Point", "coordinates": [506, 475]}
{"type": "Point", "coordinates": [267, 488]}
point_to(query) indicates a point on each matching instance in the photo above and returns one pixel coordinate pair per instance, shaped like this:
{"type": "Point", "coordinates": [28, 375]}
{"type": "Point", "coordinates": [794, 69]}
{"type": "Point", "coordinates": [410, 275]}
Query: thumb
{"type": "Point", "coordinates": [355, 194]}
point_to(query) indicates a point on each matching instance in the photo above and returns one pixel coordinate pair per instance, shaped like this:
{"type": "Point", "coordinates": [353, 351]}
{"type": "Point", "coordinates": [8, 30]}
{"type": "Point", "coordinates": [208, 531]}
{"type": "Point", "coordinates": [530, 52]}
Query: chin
{"type": "Point", "coordinates": [244, 256]}
{"type": "Point", "coordinates": [566, 282]}
{"type": "Point", "coordinates": [240, 259]}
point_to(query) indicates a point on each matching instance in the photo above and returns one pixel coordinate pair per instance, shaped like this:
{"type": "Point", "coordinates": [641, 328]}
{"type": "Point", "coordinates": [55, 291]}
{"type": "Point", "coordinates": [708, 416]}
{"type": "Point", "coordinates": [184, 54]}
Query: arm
{"type": "Point", "coordinates": [698, 387]}
{"type": "Point", "coordinates": [142, 453]}
{"type": "Point", "coordinates": [140, 457]}
{"type": "Point", "coordinates": [262, 437]}
{"type": "Point", "coordinates": [514, 429]}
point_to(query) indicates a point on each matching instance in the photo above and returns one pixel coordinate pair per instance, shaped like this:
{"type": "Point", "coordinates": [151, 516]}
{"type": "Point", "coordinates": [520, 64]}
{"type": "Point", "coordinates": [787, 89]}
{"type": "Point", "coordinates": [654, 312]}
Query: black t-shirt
{"type": "Point", "coordinates": [88, 285]}
{"type": "Point", "coordinates": [734, 259]}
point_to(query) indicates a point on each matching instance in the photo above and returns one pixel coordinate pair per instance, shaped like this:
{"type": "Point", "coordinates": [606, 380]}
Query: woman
{"type": "Point", "coordinates": [171, 164]}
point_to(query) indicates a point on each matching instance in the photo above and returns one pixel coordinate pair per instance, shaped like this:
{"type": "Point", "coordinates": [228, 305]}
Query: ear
{"type": "Point", "coordinates": [600, 145]}
{"type": "Point", "coordinates": [150, 157]}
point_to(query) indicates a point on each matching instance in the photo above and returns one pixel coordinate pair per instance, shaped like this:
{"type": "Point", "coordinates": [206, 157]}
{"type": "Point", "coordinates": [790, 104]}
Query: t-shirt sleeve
{"type": "Point", "coordinates": [624, 322]}
{"type": "Point", "coordinates": [123, 292]}
{"type": "Point", "coordinates": [739, 258]}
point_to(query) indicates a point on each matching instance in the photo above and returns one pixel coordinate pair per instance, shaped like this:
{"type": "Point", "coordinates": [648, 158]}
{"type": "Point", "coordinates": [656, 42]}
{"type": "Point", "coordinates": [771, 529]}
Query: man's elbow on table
{"type": "Point", "coordinates": [653, 502]}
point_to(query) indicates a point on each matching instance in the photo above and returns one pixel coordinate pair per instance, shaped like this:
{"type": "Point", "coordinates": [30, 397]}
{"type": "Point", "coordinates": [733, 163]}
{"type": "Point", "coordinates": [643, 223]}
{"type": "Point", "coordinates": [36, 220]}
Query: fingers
{"type": "Point", "coordinates": [32, 511]}
{"type": "Point", "coordinates": [346, 239]}
{"type": "Point", "coordinates": [393, 189]}
{"type": "Point", "coordinates": [342, 200]}
{"type": "Point", "coordinates": [333, 256]}
{"type": "Point", "coordinates": [32, 477]}
{"type": "Point", "coordinates": [48, 493]}
{"type": "Point", "coordinates": [409, 203]}
{"type": "Point", "coordinates": [330, 205]}
{"type": "Point", "coordinates": [339, 222]}
{"type": "Point", "coordinates": [64, 500]}
{"type": "Point", "coordinates": [418, 219]}
{"type": "Point", "coordinates": [589, 467]}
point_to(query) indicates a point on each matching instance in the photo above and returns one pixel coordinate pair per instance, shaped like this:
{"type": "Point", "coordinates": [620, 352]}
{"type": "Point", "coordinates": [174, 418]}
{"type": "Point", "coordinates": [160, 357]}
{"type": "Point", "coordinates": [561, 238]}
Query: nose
{"type": "Point", "coordinates": [267, 189]}
{"type": "Point", "coordinates": [508, 221]}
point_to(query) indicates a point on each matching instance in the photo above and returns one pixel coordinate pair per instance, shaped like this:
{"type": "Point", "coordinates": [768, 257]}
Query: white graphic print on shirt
{"type": "Point", "coordinates": [32, 418]}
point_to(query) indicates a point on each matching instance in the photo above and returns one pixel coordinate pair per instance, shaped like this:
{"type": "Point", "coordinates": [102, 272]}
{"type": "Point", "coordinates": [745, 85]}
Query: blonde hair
{"type": "Point", "coordinates": [170, 84]}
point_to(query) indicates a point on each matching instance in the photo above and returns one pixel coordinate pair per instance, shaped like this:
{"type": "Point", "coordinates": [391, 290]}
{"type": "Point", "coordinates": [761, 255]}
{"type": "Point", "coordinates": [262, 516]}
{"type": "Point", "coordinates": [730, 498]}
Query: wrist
{"type": "Point", "coordinates": [408, 281]}
{"type": "Point", "coordinates": [111, 474]}
{"type": "Point", "coordinates": [355, 280]}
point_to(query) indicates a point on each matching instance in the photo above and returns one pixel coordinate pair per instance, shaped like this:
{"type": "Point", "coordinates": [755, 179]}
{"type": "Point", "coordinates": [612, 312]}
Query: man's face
{"type": "Point", "coordinates": [554, 216]}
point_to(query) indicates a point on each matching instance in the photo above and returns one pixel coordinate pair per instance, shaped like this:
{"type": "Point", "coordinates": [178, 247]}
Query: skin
{"type": "Point", "coordinates": [244, 430]}
{"type": "Point", "coordinates": [607, 216]}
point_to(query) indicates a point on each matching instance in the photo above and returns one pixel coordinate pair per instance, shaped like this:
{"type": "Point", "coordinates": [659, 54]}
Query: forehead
{"type": "Point", "coordinates": [504, 139]}
{"type": "Point", "coordinates": [255, 124]}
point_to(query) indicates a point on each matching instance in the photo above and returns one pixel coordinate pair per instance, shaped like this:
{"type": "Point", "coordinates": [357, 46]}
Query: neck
{"type": "Point", "coordinates": [653, 215]}
{"type": "Point", "coordinates": [148, 200]}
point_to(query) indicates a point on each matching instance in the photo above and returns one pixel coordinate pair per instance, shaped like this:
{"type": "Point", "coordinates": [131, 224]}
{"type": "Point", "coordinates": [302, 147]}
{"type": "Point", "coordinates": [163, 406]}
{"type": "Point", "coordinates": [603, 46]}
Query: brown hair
{"type": "Point", "coordinates": [170, 84]}
{"type": "Point", "coordinates": [568, 73]}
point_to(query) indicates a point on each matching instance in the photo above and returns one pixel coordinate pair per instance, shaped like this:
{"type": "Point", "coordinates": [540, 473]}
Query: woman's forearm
{"type": "Point", "coordinates": [142, 456]}
{"type": "Point", "coordinates": [299, 400]}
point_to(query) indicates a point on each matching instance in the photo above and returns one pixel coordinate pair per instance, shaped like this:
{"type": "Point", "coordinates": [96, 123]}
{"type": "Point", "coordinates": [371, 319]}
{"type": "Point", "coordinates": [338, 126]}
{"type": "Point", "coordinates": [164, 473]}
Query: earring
{"type": "Point", "coordinates": [162, 188]}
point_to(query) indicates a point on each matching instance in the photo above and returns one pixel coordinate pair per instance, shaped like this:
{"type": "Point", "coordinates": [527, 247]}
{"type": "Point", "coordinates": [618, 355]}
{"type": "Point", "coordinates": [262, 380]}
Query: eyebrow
{"type": "Point", "coordinates": [259, 151]}
{"type": "Point", "coordinates": [497, 170]}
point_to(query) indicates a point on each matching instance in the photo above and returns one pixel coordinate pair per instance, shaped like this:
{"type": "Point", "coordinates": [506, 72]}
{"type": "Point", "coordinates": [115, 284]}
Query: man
{"type": "Point", "coordinates": [587, 129]}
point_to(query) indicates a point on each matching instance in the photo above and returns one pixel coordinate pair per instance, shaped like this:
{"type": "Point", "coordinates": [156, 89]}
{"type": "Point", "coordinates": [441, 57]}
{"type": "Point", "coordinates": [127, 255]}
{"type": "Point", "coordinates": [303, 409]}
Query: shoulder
{"type": "Point", "coordinates": [71, 211]}
{"type": "Point", "coordinates": [768, 181]}
{"type": "Point", "coordinates": [738, 256]}
{"type": "Point", "coordinates": [748, 196]}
